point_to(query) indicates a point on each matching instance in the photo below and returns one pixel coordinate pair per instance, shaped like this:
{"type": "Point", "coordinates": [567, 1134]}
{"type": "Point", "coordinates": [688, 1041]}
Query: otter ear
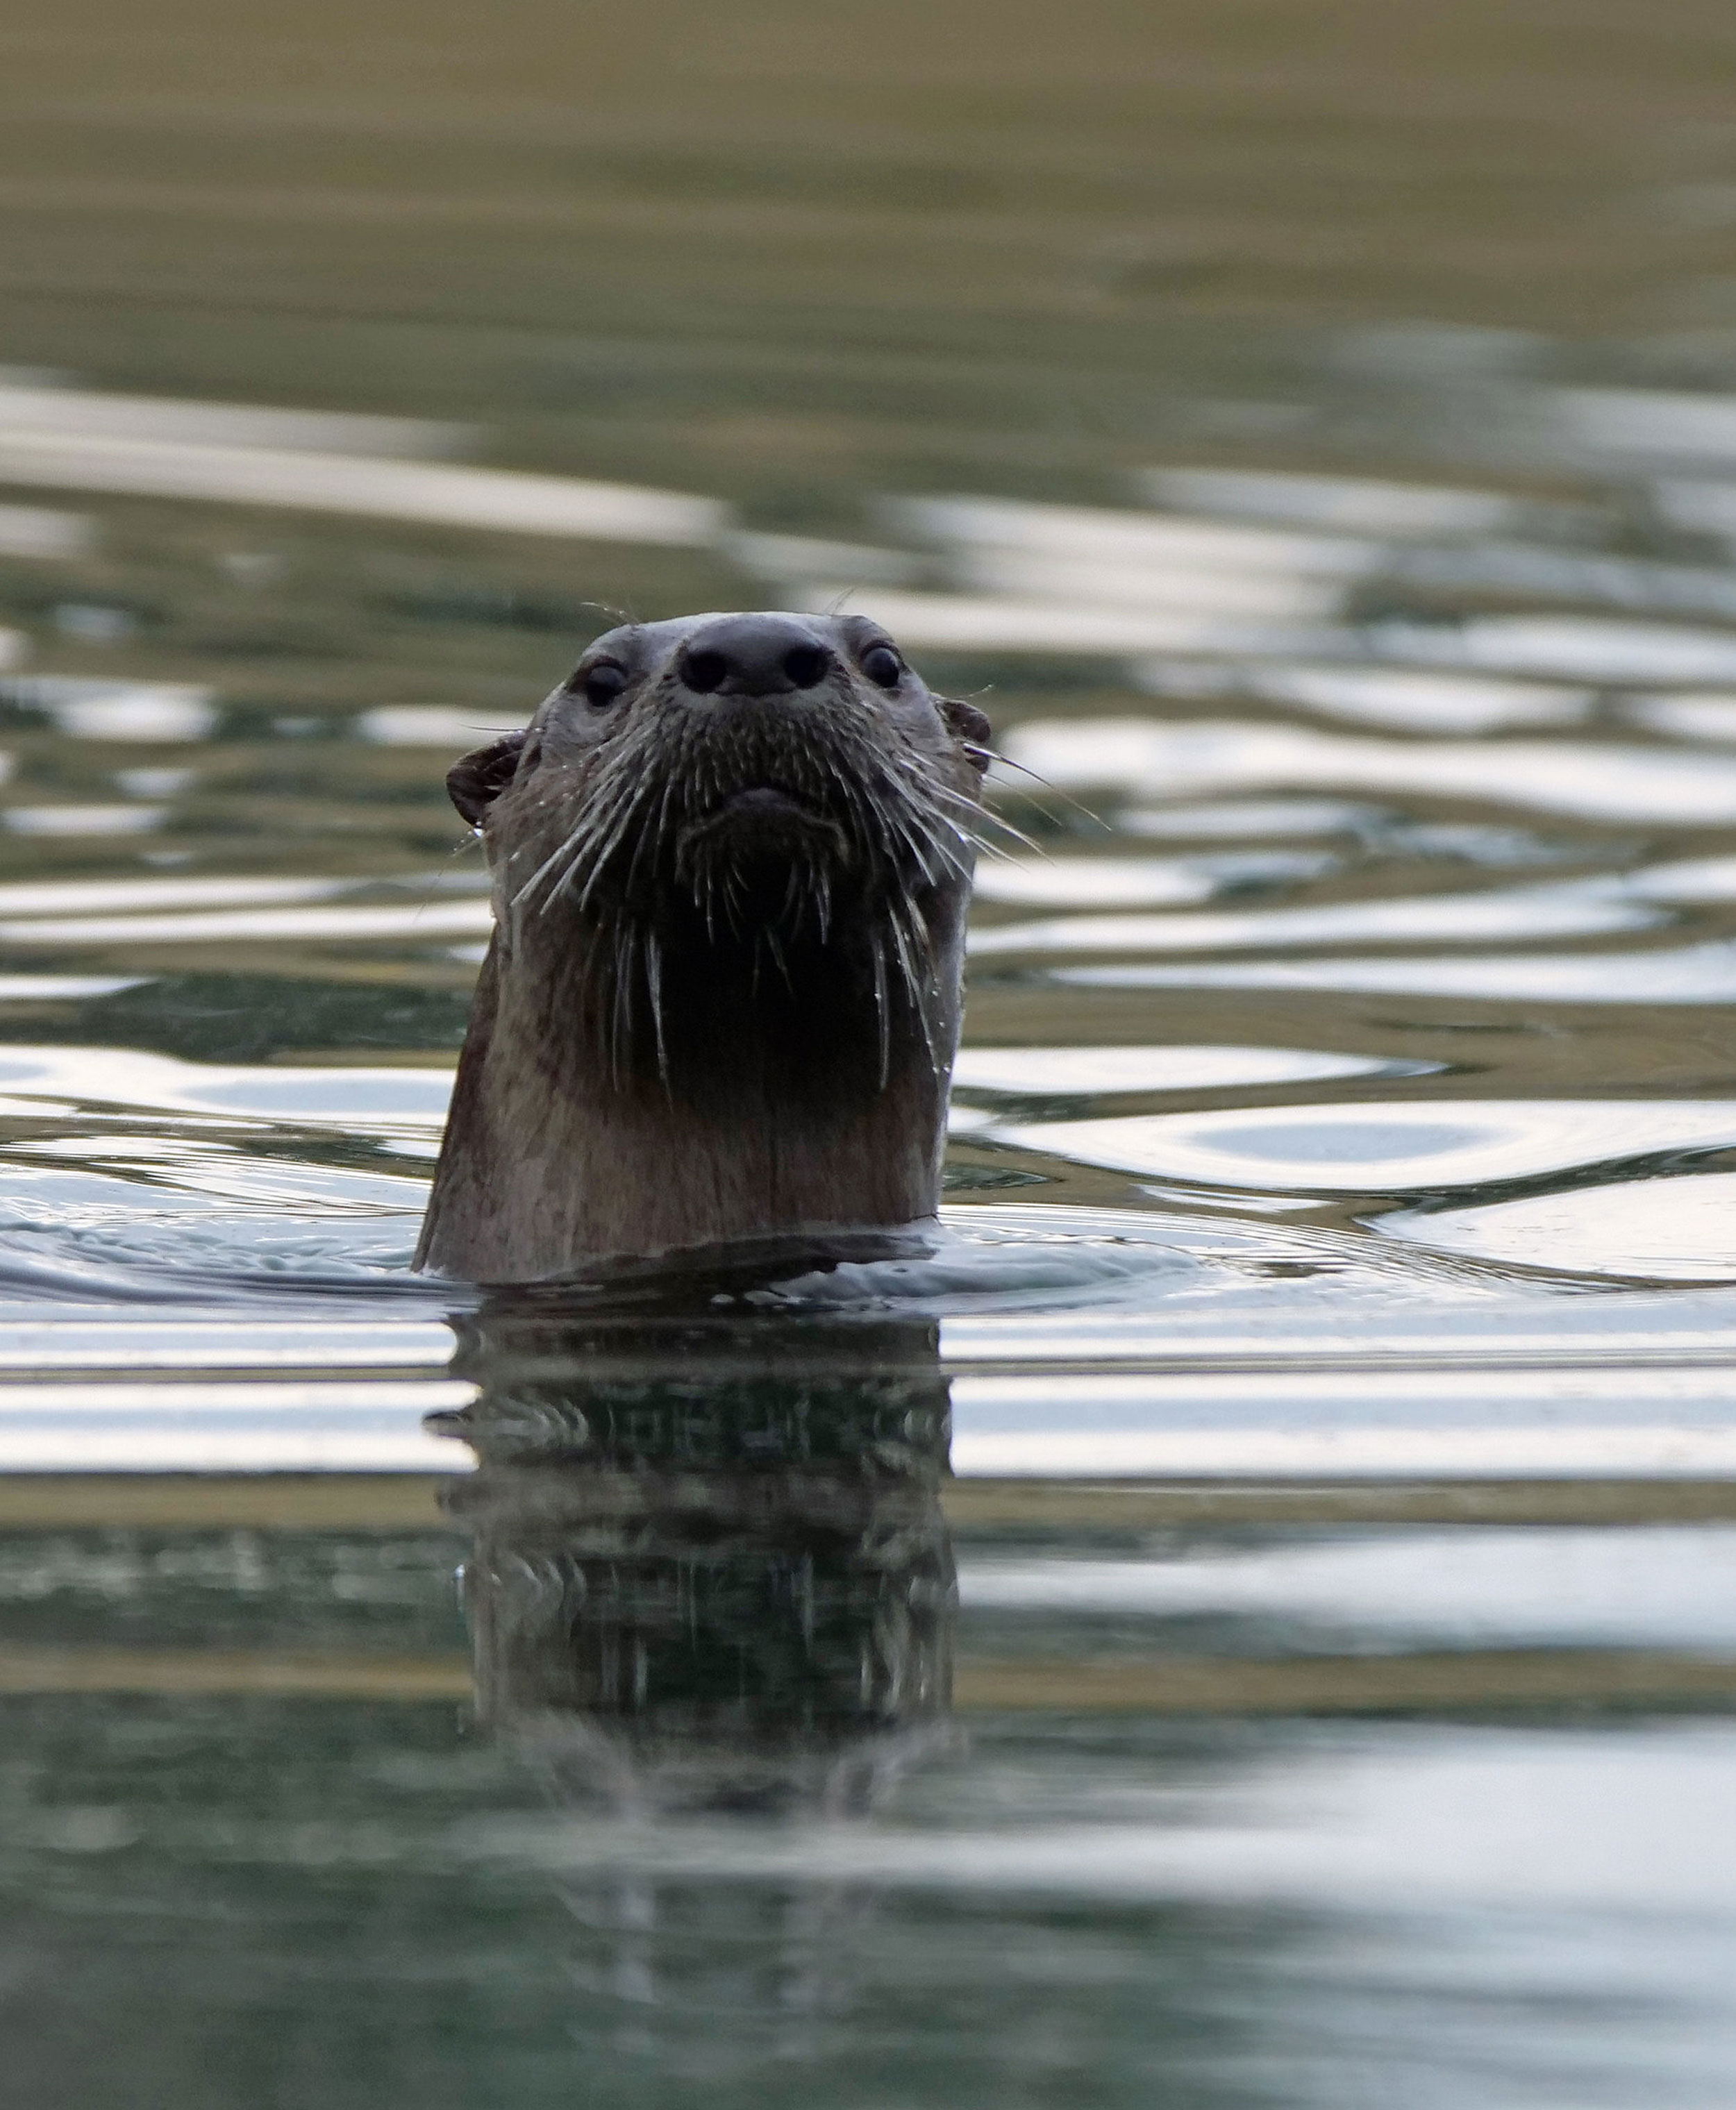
{"type": "Point", "coordinates": [476, 782]}
{"type": "Point", "coordinates": [969, 725]}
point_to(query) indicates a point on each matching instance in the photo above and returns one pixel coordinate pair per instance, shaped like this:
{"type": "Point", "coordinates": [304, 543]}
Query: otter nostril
{"type": "Point", "coordinates": [704, 672]}
{"type": "Point", "coordinates": [806, 666]}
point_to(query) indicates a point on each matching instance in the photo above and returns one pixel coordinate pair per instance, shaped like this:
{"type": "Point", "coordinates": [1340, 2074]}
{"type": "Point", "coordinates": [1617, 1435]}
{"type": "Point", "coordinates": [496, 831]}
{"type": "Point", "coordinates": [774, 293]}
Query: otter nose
{"type": "Point", "coordinates": [752, 655]}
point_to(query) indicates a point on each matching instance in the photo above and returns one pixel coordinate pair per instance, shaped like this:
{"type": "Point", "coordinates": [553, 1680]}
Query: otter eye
{"type": "Point", "coordinates": [880, 664]}
{"type": "Point", "coordinates": [602, 684]}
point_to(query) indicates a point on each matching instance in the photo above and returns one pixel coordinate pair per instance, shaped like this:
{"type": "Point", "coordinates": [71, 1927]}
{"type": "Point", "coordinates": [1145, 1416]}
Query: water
{"type": "Point", "coordinates": [1239, 1615]}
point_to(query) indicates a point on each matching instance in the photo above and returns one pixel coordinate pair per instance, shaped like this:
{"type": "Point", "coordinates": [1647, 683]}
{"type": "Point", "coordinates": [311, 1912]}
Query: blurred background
{"type": "Point", "coordinates": [746, 286]}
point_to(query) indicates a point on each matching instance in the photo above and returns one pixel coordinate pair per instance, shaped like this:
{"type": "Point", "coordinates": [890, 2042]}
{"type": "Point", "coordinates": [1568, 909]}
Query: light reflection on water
{"type": "Point", "coordinates": [1318, 1389]}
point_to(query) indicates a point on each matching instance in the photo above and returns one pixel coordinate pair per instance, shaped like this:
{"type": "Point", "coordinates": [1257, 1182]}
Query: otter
{"type": "Point", "coordinates": [732, 857]}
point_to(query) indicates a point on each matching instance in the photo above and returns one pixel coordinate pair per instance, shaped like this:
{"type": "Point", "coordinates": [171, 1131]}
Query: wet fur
{"type": "Point", "coordinates": [724, 991]}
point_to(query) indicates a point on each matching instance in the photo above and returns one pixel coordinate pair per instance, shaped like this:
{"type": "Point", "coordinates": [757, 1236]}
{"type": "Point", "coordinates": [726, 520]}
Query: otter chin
{"type": "Point", "coordinates": [732, 857]}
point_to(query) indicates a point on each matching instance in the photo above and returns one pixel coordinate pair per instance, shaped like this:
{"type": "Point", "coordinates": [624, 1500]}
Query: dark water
{"type": "Point", "coordinates": [1246, 1617]}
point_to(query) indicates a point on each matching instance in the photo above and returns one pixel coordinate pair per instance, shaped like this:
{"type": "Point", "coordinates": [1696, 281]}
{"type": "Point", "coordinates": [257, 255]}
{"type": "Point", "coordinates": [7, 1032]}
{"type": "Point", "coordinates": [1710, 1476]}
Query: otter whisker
{"type": "Point", "coordinates": [990, 818]}
{"type": "Point", "coordinates": [619, 821]}
{"type": "Point", "coordinates": [975, 844]}
{"type": "Point", "coordinates": [896, 809]}
{"type": "Point", "coordinates": [927, 790]}
{"type": "Point", "coordinates": [570, 849]}
{"type": "Point", "coordinates": [549, 862]}
{"type": "Point", "coordinates": [795, 893]}
{"type": "Point", "coordinates": [882, 1005]}
{"type": "Point", "coordinates": [958, 866]}
{"type": "Point", "coordinates": [651, 837]}
{"type": "Point", "coordinates": [1006, 762]}
{"type": "Point", "coordinates": [654, 988]}
{"type": "Point", "coordinates": [904, 925]}
{"type": "Point", "coordinates": [912, 848]}
{"type": "Point", "coordinates": [732, 905]}
{"type": "Point", "coordinates": [620, 1034]}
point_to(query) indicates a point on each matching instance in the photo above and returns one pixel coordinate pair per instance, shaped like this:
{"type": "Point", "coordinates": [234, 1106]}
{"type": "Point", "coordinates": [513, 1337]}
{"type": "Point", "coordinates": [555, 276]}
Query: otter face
{"type": "Point", "coordinates": [731, 859]}
{"type": "Point", "coordinates": [749, 770]}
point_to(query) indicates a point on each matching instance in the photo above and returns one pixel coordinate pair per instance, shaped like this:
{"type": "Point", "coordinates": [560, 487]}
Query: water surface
{"type": "Point", "coordinates": [1240, 1614]}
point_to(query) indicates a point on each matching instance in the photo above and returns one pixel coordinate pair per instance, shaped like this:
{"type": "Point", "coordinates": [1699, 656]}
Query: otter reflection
{"type": "Point", "coordinates": [709, 1570]}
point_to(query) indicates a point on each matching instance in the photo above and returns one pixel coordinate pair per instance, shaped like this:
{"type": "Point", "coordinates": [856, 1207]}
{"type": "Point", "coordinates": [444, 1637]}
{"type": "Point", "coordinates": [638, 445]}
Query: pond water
{"type": "Point", "coordinates": [1244, 1612]}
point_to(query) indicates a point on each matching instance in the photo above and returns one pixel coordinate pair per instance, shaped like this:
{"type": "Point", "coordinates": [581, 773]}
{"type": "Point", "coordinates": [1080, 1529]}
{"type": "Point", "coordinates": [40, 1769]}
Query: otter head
{"type": "Point", "coordinates": [731, 859]}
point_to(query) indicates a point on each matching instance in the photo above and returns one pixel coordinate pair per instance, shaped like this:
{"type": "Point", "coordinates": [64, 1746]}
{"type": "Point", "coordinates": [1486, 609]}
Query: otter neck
{"type": "Point", "coordinates": [770, 1089]}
